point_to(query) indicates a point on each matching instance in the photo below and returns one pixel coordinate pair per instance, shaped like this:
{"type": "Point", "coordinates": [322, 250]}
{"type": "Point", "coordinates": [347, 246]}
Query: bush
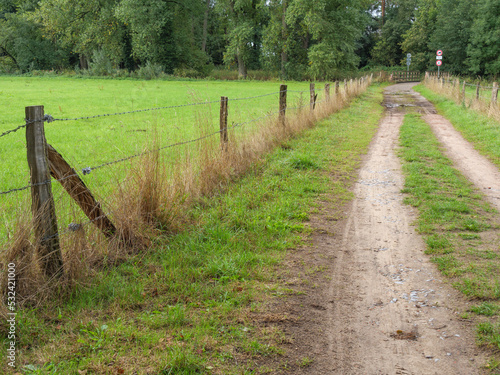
{"type": "Point", "coordinates": [150, 71]}
{"type": "Point", "coordinates": [100, 64]}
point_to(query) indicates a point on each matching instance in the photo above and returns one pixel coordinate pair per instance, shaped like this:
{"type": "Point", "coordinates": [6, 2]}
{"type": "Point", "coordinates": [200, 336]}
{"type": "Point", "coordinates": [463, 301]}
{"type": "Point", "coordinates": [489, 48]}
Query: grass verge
{"type": "Point", "coordinates": [190, 306]}
{"type": "Point", "coordinates": [460, 228]}
{"type": "Point", "coordinates": [479, 129]}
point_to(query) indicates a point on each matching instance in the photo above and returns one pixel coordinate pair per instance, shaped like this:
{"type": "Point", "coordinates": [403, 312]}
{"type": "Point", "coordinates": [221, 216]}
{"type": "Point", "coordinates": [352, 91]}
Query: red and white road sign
{"type": "Point", "coordinates": [439, 52]}
{"type": "Point", "coordinates": [439, 62]}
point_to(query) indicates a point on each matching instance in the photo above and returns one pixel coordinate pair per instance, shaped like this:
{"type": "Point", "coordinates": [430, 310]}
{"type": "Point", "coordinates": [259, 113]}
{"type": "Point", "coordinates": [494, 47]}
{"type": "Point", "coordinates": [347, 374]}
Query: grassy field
{"type": "Point", "coordinates": [195, 304]}
{"type": "Point", "coordinates": [92, 142]}
{"type": "Point", "coordinates": [460, 228]}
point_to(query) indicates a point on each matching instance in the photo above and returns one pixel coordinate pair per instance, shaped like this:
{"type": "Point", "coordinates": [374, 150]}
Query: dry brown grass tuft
{"type": "Point", "coordinates": [453, 90]}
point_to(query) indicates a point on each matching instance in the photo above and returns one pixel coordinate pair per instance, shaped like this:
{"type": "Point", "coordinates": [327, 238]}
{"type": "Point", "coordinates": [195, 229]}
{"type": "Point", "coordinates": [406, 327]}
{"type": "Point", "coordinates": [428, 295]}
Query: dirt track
{"type": "Point", "coordinates": [385, 308]}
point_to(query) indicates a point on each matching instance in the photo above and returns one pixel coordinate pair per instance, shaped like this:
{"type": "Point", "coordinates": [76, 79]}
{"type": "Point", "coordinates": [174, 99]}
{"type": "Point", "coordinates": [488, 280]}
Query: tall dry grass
{"type": "Point", "coordinates": [452, 88]}
{"type": "Point", "coordinates": [156, 195]}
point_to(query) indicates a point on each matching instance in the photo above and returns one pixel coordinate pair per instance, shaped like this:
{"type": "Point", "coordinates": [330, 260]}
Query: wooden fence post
{"type": "Point", "coordinates": [478, 86]}
{"type": "Point", "coordinates": [282, 113]}
{"type": "Point", "coordinates": [43, 208]}
{"type": "Point", "coordinates": [76, 188]}
{"type": "Point", "coordinates": [327, 92]}
{"type": "Point", "coordinates": [345, 87]}
{"type": "Point", "coordinates": [223, 122]}
{"type": "Point", "coordinates": [463, 92]}
{"type": "Point", "coordinates": [494, 94]}
{"type": "Point", "coordinates": [313, 96]}
{"type": "Point", "coordinates": [337, 87]}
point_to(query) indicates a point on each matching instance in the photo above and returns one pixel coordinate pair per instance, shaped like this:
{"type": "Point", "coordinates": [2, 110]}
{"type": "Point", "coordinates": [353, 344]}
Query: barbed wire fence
{"type": "Point", "coordinates": [456, 88]}
{"type": "Point", "coordinates": [35, 123]}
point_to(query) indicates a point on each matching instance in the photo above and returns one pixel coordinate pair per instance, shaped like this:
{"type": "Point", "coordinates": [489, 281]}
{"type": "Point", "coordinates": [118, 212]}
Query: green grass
{"type": "Point", "coordinates": [482, 131]}
{"type": "Point", "coordinates": [193, 304]}
{"type": "Point", "coordinates": [460, 228]}
{"type": "Point", "coordinates": [92, 142]}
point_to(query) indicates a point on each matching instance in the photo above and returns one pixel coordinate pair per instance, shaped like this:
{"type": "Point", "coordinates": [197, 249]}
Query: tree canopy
{"type": "Point", "coordinates": [296, 38]}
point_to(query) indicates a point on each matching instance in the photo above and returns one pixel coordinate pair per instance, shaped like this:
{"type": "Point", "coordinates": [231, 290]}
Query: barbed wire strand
{"type": "Point", "coordinates": [88, 170]}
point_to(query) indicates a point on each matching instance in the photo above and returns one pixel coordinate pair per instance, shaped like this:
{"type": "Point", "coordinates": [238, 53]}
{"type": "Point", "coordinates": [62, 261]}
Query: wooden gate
{"type": "Point", "coordinates": [403, 76]}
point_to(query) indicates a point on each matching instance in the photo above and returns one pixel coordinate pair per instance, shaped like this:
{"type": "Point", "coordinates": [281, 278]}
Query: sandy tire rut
{"type": "Point", "coordinates": [385, 308]}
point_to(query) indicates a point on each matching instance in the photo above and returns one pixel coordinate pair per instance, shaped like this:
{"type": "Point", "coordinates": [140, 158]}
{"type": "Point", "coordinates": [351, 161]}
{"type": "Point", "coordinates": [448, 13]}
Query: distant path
{"type": "Point", "coordinates": [390, 313]}
{"type": "Point", "coordinates": [478, 169]}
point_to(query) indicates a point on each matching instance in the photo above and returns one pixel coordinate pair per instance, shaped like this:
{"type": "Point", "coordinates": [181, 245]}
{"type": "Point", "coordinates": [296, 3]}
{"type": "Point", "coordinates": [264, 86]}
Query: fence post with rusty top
{"type": "Point", "coordinates": [282, 113]}
{"type": "Point", "coordinates": [43, 207]}
{"type": "Point", "coordinates": [223, 122]}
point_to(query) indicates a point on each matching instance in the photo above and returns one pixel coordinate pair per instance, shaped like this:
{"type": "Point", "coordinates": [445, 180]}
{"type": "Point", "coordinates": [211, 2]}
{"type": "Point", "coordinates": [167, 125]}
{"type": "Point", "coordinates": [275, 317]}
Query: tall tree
{"type": "Point", "coordinates": [484, 47]}
{"type": "Point", "coordinates": [84, 26]}
{"type": "Point", "coordinates": [243, 20]}
{"type": "Point", "coordinates": [455, 18]}
{"type": "Point", "coordinates": [416, 40]}
{"type": "Point", "coordinates": [400, 14]}
{"type": "Point", "coordinates": [334, 26]}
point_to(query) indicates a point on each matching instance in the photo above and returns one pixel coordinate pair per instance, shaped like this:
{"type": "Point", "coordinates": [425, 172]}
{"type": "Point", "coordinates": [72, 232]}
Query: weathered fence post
{"type": "Point", "coordinates": [327, 92]}
{"type": "Point", "coordinates": [76, 188]}
{"type": "Point", "coordinates": [345, 87]}
{"type": "Point", "coordinates": [43, 208]}
{"type": "Point", "coordinates": [478, 87]}
{"type": "Point", "coordinates": [494, 94]}
{"type": "Point", "coordinates": [282, 113]}
{"type": "Point", "coordinates": [313, 96]}
{"type": "Point", "coordinates": [463, 92]}
{"type": "Point", "coordinates": [337, 87]}
{"type": "Point", "coordinates": [223, 122]}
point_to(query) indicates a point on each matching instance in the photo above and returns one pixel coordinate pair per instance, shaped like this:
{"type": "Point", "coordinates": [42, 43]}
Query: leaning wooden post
{"type": "Point", "coordinates": [282, 113]}
{"type": "Point", "coordinates": [43, 208]}
{"type": "Point", "coordinates": [76, 188]}
{"type": "Point", "coordinates": [223, 122]}
{"type": "Point", "coordinates": [327, 92]}
{"type": "Point", "coordinates": [313, 96]}
{"type": "Point", "coordinates": [494, 94]}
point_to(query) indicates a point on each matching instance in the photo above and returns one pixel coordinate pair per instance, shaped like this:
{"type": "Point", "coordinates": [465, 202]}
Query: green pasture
{"type": "Point", "coordinates": [92, 142]}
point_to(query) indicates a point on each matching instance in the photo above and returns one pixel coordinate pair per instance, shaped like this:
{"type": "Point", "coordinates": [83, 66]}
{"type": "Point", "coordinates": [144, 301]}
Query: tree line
{"type": "Point", "coordinates": [318, 39]}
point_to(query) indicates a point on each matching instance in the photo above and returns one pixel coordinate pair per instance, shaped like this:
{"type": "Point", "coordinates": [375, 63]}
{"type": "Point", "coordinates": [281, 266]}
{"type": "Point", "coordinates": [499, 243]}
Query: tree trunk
{"type": "Point", "coordinates": [284, 32]}
{"type": "Point", "coordinates": [83, 62]}
{"type": "Point", "coordinates": [205, 28]}
{"type": "Point", "coordinates": [242, 68]}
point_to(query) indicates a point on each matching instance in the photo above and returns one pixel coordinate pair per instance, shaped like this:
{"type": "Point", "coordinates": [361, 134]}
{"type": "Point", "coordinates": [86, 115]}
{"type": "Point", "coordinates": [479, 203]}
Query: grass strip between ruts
{"type": "Point", "coordinates": [482, 131]}
{"type": "Point", "coordinates": [460, 228]}
{"type": "Point", "coordinates": [187, 307]}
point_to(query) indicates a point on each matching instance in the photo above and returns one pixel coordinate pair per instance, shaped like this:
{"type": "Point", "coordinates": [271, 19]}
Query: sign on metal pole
{"type": "Point", "coordinates": [439, 59]}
